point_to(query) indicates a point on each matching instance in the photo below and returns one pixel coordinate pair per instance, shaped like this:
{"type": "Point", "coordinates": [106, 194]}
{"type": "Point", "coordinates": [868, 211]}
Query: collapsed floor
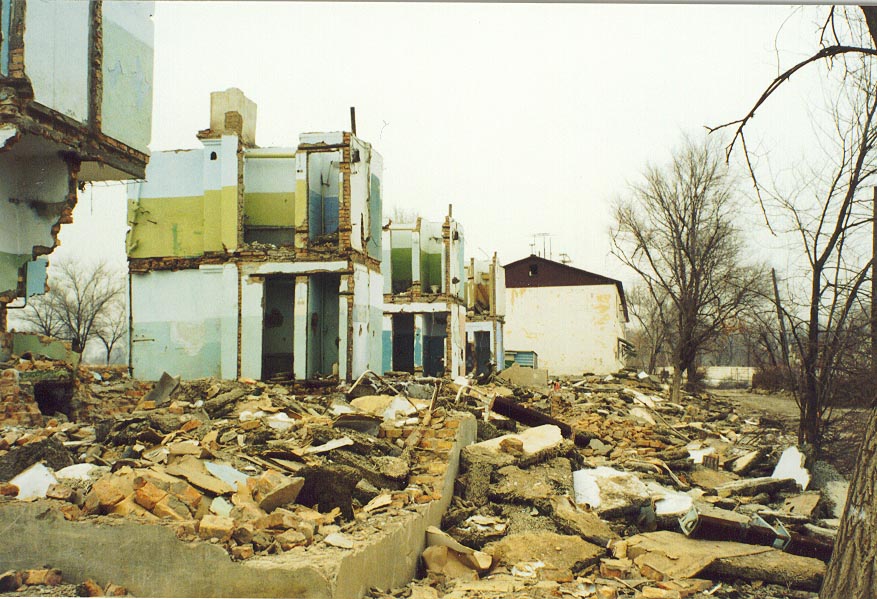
{"type": "Point", "coordinates": [597, 488]}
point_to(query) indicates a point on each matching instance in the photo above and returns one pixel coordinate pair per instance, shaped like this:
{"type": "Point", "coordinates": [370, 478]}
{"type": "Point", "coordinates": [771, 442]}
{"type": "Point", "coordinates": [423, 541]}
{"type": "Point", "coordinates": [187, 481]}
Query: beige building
{"type": "Point", "coordinates": [573, 319]}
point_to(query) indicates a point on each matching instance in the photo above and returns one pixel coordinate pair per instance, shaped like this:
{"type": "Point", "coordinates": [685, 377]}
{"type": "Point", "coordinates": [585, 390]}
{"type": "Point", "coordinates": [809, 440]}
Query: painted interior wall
{"type": "Point", "coordinates": [269, 195]}
{"type": "Point", "coordinates": [495, 329]}
{"type": "Point", "coordinates": [367, 320]}
{"type": "Point", "coordinates": [323, 324]}
{"type": "Point", "coordinates": [458, 340]}
{"type": "Point", "coordinates": [324, 184]}
{"type": "Point", "coordinates": [184, 322]}
{"type": "Point", "coordinates": [431, 258]}
{"type": "Point", "coordinates": [28, 211]}
{"type": "Point", "coordinates": [56, 33]}
{"type": "Point", "coordinates": [126, 104]}
{"type": "Point", "coordinates": [573, 329]}
{"type": "Point", "coordinates": [188, 204]}
{"type": "Point", "coordinates": [277, 326]}
{"type": "Point", "coordinates": [5, 20]}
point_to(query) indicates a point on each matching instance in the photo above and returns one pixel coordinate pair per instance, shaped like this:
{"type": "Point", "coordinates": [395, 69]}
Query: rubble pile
{"type": "Point", "coordinates": [34, 389]}
{"type": "Point", "coordinates": [259, 468]}
{"type": "Point", "coordinates": [637, 497]}
{"type": "Point", "coordinates": [595, 488]}
{"type": "Point", "coordinates": [49, 582]}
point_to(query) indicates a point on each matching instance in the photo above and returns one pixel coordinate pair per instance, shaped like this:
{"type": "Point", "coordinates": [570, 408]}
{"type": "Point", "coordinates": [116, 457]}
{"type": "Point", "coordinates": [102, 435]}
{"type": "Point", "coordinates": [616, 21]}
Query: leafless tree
{"type": "Point", "coordinates": [42, 316]}
{"type": "Point", "coordinates": [651, 336]}
{"type": "Point", "coordinates": [112, 325]}
{"type": "Point", "coordinates": [79, 297]}
{"type": "Point", "coordinates": [852, 571]}
{"type": "Point", "coordinates": [676, 231]}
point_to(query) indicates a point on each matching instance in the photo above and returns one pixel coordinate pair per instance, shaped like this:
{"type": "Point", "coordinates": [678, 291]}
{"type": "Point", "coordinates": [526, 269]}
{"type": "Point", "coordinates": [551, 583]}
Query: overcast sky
{"type": "Point", "coordinates": [527, 118]}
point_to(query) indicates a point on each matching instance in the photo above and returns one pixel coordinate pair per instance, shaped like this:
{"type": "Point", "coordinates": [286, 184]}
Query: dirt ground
{"type": "Point", "coordinates": [843, 435]}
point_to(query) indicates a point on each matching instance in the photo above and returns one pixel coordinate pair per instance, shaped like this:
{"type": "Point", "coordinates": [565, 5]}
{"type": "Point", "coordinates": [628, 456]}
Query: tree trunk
{"type": "Point", "coordinates": [852, 572]}
{"type": "Point", "coordinates": [676, 384]}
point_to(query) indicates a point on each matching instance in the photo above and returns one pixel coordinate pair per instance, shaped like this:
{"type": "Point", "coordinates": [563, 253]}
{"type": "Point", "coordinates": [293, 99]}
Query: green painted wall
{"type": "Point", "coordinates": [430, 271]}
{"type": "Point", "coordinates": [9, 267]}
{"type": "Point", "coordinates": [400, 264]}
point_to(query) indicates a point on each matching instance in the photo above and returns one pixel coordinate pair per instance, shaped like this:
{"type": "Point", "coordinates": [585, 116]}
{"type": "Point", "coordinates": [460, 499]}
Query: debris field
{"type": "Point", "coordinates": [598, 487]}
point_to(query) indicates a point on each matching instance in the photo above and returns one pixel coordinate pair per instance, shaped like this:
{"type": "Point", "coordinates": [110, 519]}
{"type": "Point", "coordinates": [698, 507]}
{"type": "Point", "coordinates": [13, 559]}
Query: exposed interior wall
{"type": "Point", "coordinates": [401, 272]}
{"type": "Point", "coordinates": [188, 204]}
{"type": "Point", "coordinates": [182, 322]}
{"type": "Point", "coordinates": [456, 362]}
{"type": "Point", "coordinates": [277, 323]}
{"type": "Point", "coordinates": [269, 196]}
{"type": "Point", "coordinates": [376, 323]}
{"type": "Point", "coordinates": [375, 205]}
{"type": "Point", "coordinates": [324, 183]}
{"type": "Point", "coordinates": [367, 320]}
{"type": "Point", "coordinates": [323, 321]}
{"type": "Point", "coordinates": [573, 329]}
{"type": "Point", "coordinates": [431, 253]}
{"type": "Point", "coordinates": [57, 33]}
{"type": "Point", "coordinates": [29, 211]}
{"type": "Point", "coordinates": [5, 19]}
{"type": "Point", "coordinates": [126, 104]}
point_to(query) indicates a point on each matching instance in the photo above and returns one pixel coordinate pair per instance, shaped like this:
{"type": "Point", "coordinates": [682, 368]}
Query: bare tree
{"type": "Point", "coordinates": [652, 335]}
{"type": "Point", "coordinates": [112, 325]}
{"type": "Point", "coordinates": [831, 223]}
{"type": "Point", "coordinates": [852, 571]}
{"type": "Point", "coordinates": [676, 231]}
{"type": "Point", "coordinates": [78, 297]}
{"type": "Point", "coordinates": [42, 316]}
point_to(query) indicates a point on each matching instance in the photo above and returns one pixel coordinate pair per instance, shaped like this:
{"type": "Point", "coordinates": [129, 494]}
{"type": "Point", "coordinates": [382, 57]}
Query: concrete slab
{"type": "Point", "coordinates": [150, 561]}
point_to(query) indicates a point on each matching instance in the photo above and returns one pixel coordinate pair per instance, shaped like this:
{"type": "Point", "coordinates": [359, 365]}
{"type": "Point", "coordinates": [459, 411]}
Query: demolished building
{"type": "Point", "coordinates": [485, 316]}
{"type": "Point", "coordinates": [573, 319]}
{"type": "Point", "coordinates": [63, 127]}
{"type": "Point", "coordinates": [256, 262]}
{"type": "Point", "coordinates": [424, 297]}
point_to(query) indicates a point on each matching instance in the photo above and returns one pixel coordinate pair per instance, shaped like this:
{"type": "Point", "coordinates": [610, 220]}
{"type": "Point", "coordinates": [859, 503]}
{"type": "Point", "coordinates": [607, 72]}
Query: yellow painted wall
{"type": "Point", "coordinates": [275, 209]}
{"type": "Point", "coordinates": [183, 226]}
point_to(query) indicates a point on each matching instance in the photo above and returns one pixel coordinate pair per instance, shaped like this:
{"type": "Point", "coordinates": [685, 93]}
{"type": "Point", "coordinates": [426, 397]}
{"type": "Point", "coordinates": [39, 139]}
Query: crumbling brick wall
{"type": "Point", "coordinates": [17, 404]}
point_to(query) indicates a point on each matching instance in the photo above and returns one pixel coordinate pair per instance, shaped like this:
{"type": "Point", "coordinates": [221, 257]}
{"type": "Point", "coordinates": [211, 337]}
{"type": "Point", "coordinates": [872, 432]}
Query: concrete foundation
{"type": "Point", "coordinates": [150, 561]}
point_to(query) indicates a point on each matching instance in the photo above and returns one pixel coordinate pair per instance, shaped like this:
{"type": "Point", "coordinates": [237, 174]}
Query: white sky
{"type": "Point", "coordinates": [528, 118]}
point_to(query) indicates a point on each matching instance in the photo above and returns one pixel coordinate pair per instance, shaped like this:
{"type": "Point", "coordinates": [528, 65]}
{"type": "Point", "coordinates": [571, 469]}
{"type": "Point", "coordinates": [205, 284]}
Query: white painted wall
{"type": "Point", "coordinates": [252, 314]}
{"type": "Point", "coordinates": [361, 324]}
{"type": "Point", "coordinates": [182, 321]}
{"type": "Point", "coordinates": [126, 104]}
{"type": "Point", "coordinates": [176, 174]}
{"type": "Point", "coordinates": [458, 340]}
{"type": "Point", "coordinates": [573, 329]}
{"type": "Point", "coordinates": [56, 34]}
{"type": "Point", "coordinates": [269, 175]}
{"type": "Point", "coordinates": [22, 226]}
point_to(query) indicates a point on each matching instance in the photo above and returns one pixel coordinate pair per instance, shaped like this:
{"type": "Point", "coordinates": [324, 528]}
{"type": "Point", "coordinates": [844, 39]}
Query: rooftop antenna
{"type": "Point", "coordinates": [564, 258]}
{"type": "Point", "coordinates": [353, 120]}
{"type": "Point", "coordinates": [544, 236]}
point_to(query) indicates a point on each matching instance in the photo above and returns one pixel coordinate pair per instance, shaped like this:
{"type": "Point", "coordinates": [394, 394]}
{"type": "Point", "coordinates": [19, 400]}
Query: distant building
{"type": "Point", "coordinates": [75, 107]}
{"type": "Point", "coordinates": [256, 262]}
{"type": "Point", "coordinates": [485, 315]}
{"type": "Point", "coordinates": [424, 298]}
{"type": "Point", "coordinates": [573, 319]}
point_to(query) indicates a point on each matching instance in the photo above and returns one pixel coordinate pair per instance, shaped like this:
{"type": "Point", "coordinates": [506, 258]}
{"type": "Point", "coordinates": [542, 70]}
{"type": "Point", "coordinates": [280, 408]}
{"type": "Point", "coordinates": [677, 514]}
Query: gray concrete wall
{"type": "Point", "coordinates": [150, 561]}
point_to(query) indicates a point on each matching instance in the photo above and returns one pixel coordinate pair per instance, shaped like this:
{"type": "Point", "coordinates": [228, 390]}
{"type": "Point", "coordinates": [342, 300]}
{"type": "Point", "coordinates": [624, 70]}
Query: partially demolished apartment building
{"type": "Point", "coordinates": [255, 262]}
{"type": "Point", "coordinates": [424, 298]}
{"type": "Point", "coordinates": [62, 127]}
{"type": "Point", "coordinates": [485, 315]}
